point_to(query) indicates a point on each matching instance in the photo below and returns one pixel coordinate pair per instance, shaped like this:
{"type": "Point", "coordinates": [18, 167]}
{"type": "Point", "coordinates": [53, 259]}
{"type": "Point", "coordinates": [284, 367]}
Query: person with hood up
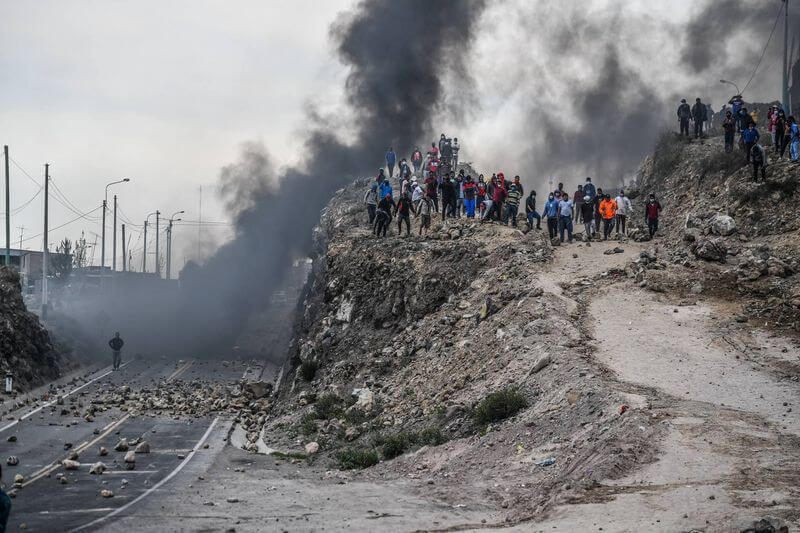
{"type": "Point", "coordinates": [684, 114]}
{"type": "Point", "coordinates": [729, 128]}
{"type": "Point", "coordinates": [589, 191]}
{"type": "Point", "coordinates": [416, 159]}
{"type": "Point", "coordinates": [384, 188]}
{"type": "Point", "coordinates": [405, 170]}
{"type": "Point", "coordinates": [383, 215]}
{"type": "Point", "coordinates": [565, 207]}
{"type": "Point", "coordinates": [750, 137]}
{"type": "Point", "coordinates": [512, 205]}
{"type": "Point", "coordinates": [794, 139]}
{"type": "Point", "coordinates": [530, 211]}
{"type": "Point", "coordinates": [551, 212]}
{"type": "Point", "coordinates": [608, 210]}
{"type": "Point", "coordinates": [470, 192]}
{"type": "Point", "coordinates": [403, 212]}
{"type": "Point", "coordinates": [758, 155]}
{"type": "Point", "coordinates": [391, 159]}
{"type": "Point", "coordinates": [624, 208]}
{"type": "Point", "coordinates": [651, 211]}
{"type": "Point", "coordinates": [700, 115]}
{"type": "Point", "coordinates": [371, 201]}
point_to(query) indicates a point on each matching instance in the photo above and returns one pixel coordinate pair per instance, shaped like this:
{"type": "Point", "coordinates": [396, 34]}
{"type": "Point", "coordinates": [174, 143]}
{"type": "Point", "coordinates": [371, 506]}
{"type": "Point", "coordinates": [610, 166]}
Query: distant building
{"type": "Point", "coordinates": [29, 263]}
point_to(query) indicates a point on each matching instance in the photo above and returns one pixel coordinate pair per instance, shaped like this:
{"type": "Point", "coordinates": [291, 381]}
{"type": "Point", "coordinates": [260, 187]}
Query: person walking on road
{"type": "Point", "coordinates": [608, 210]}
{"type": "Point", "coordinates": [624, 208]}
{"type": "Point", "coordinates": [116, 345]}
{"type": "Point", "coordinates": [651, 211]}
{"type": "Point", "coordinates": [391, 159]}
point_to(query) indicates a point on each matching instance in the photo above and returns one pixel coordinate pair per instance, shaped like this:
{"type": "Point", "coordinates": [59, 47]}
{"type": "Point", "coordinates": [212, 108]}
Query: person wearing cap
{"type": "Point", "coordinates": [684, 114]}
{"type": "Point", "coordinates": [736, 106]}
{"type": "Point", "coordinates": [371, 201]}
{"type": "Point", "coordinates": [587, 215]}
{"type": "Point", "coordinates": [431, 188]}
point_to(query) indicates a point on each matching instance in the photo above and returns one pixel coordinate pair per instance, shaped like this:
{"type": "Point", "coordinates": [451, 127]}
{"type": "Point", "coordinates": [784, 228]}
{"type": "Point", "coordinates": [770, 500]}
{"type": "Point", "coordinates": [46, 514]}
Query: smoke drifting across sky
{"type": "Point", "coordinates": [391, 88]}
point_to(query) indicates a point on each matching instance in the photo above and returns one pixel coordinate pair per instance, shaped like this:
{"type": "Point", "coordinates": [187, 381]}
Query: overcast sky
{"type": "Point", "coordinates": [165, 93]}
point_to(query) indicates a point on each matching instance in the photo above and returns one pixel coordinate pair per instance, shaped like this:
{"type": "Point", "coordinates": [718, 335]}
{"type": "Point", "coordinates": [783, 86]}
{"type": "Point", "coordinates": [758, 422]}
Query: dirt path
{"type": "Point", "coordinates": [727, 393]}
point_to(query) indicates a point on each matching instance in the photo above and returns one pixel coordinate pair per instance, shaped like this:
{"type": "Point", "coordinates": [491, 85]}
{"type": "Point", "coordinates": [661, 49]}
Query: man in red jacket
{"type": "Point", "coordinates": [498, 196]}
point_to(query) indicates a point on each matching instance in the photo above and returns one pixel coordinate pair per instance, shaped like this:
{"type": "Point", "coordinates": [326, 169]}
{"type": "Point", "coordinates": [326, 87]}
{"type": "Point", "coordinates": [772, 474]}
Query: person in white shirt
{"type": "Point", "coordinates": [416, 196]}
{"type": "Point", "coordinates": [624, 208]}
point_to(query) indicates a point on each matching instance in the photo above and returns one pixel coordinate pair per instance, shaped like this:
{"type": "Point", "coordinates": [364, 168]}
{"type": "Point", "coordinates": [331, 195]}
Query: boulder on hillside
{"type": "Point", "coordinates": [710, 249]}
{"type": "Point", "coordinates": [723, 225]}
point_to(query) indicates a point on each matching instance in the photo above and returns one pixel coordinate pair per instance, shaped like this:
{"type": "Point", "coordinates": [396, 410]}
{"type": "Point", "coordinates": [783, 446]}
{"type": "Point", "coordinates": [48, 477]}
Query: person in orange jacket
{"type": "Point", "coordinates": [608, 210]}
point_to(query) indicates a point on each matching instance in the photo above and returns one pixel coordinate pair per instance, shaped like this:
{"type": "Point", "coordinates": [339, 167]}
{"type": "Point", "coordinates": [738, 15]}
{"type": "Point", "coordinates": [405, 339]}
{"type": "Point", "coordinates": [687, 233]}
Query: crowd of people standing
{"type": "Point", "coordinates": [432, 185]}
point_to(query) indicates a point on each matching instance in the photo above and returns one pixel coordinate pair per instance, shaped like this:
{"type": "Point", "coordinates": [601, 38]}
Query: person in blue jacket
{"type": "Point", "coordinates": [551, 212]}
{"type": "Point", "coordinates": [391, 159]}
{"type": "Point", "coordinates": [750, 137]}
{"type": "Point", "coordinates": [589, 191]}
{"type": "Point", "coordinates": [384, 189]}
{"type": "Point", "coordinates": [736, 105]}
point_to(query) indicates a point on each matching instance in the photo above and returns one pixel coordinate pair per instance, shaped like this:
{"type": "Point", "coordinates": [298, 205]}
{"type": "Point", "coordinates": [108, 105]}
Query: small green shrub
{"type": "Point", "coordinates": [329, 406]}
{"type": "Point", "coordinates": [395, 445]}
{"type": "Point", "coordinates": [431, 436]}
{"type": "Point", "coordinates": [308, 370]}
{"type": "Point", "coordinates": [352, 458]}
{"type": "Point", "coordinates": [499, 405]}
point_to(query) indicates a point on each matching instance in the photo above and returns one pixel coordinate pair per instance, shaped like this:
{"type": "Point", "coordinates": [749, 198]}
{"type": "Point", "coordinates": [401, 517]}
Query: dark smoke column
{"type": "Point", "coordinates": [398, 54]}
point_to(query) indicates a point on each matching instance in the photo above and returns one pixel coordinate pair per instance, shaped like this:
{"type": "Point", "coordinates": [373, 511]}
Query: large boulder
{"type": "Point", "coordinates": [710, 250]}
{"type": "Point", "coordinates": [723, 225]}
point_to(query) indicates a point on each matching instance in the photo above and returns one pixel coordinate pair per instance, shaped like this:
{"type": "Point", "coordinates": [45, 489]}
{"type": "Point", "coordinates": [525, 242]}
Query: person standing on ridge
{"type": "Point", "coordinates": [530, 211]}
{"type": "Point", "coordinates": [729, 127]}
{"type": "Point", "coordinates": [391, 159]}
{"type": "Point", "coordinates": [551, 212]}
{"type": "Point", "coordinates": [651, 212]}
{"type": "Point", "coordinates": [750, 137]}
{"type": "Point", "coordinates": [116, 345]}
{"type": "Point", "coordinates": [577, 200]}
{"type": "Point", "coordinates": [470, 192]}
{"type": "Point", "coordinates": [736, 106]}
{"type": "Point", "coordinates": [780, 133]}
{"type": "Point", "coordinates": [794, 139]}
{"type": "Point", "coordinates": [700, 115]}
{"type": "Point", "coordinates": [371, 201]}
{"type": "Point", "coordinates": [684, 114]}
{"type": "Point", "coordinates": [624, 208]}
{"type": "Point", "coordinates": [512, 205]}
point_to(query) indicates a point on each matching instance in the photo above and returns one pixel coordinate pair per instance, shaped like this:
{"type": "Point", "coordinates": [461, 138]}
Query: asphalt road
{"type": "Point", "coordinates": [43, 433]}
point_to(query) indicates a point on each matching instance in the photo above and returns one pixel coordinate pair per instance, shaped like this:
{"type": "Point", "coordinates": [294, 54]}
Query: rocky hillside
{"type": "Point", "coordinates": [452, 361]}
{"type": "Point", "coordinates": [723, 232]}
{"type": "Point", "coordinates": [26, 349]}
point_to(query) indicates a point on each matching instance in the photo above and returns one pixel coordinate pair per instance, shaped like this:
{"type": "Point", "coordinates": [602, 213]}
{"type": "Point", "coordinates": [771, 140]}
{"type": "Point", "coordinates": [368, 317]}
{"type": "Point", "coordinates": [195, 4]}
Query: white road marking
{"type": "Point", "coordinates": [48, 404]}
{"type": "Point", "coordinates": [157, 485]}
{"type": "Point", "coordinates": [72, 511]}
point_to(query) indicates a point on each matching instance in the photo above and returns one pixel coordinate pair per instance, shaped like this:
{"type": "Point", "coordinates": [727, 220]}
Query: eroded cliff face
{"type": "Point", "coordinates": [26, 349]}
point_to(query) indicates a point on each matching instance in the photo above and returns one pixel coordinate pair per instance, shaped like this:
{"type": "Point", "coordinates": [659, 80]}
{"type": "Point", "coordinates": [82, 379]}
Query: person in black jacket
{"type": "Point", "coordinates": [449, 196]}
{"type": "Point", "coordinates": [116, 345]}
{"type": "Point", "coordinates": [404, 209]}
{"type": "Point", "coordinates": [383, 215]}
{"type": "Point", "coordinates": [684, 114]}
{"type": "Point", "coordinates": [700, 115]}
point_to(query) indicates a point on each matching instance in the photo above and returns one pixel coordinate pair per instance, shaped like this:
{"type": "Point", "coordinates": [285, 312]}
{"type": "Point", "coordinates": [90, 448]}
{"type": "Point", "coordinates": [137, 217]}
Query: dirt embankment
{"type": "Point", "coordinates": [26, 349]}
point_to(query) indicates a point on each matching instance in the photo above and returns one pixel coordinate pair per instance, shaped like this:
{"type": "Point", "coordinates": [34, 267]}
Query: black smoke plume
{"type": "Point", "coordinates": [398, 54]}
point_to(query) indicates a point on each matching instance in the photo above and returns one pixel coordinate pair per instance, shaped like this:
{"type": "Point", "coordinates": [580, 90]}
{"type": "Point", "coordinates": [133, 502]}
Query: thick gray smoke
{"type": "Point", "coordinates": [398, 53]}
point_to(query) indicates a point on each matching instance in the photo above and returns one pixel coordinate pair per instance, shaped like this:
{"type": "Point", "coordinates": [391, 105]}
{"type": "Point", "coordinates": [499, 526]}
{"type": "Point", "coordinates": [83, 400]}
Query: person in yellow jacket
{"type": "Point", "coordinates": [608, 210]}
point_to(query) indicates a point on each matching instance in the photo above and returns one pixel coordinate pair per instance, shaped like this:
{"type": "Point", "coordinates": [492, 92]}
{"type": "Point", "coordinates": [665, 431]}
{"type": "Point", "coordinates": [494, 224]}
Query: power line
{"type": "Point", "coordinates": [775, 25]}
{"type": "Point", "coordinates": [25, 204]}
{"type": "Point", "coordinates": [24, 172]}
{"type": "Point", "coordinates": [61, 226]}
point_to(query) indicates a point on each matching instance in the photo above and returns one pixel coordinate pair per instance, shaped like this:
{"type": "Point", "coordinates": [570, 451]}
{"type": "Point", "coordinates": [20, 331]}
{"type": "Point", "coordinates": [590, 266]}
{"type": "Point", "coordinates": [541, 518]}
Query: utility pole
{"type": "Point", "coordinates": [21, 233]}
{"type": "Point", "coordinates": [114, 238]}
{"type": "Point", "coordinates": [158, 265]}
{"type": "Point", "coordinates": [103, 239]}
{"type": "Point", "coordinates": [8, 211]}
{"type": "Point", "coordinates": [124, 260]}
{"type": "Point", "coordinates": [45, 250]}
{"type": "Point", "coordinates": [785, 92]}
{"type": "Point", "coordinates": [144, 249]}
{"type": "Point", "coordinates": [169, 242]}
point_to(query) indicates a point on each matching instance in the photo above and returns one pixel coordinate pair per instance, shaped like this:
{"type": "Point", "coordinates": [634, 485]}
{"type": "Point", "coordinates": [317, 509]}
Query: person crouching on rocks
{"type": "Point", "coordinates": [384, 215]}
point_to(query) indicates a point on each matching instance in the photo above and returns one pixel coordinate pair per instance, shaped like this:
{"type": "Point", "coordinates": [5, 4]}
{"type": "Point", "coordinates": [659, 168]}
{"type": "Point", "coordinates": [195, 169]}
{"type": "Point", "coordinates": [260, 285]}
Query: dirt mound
{"type": "Point", "coordinates": [26, 349]}
{"type": "Point", "coordinates": [723, 231]}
